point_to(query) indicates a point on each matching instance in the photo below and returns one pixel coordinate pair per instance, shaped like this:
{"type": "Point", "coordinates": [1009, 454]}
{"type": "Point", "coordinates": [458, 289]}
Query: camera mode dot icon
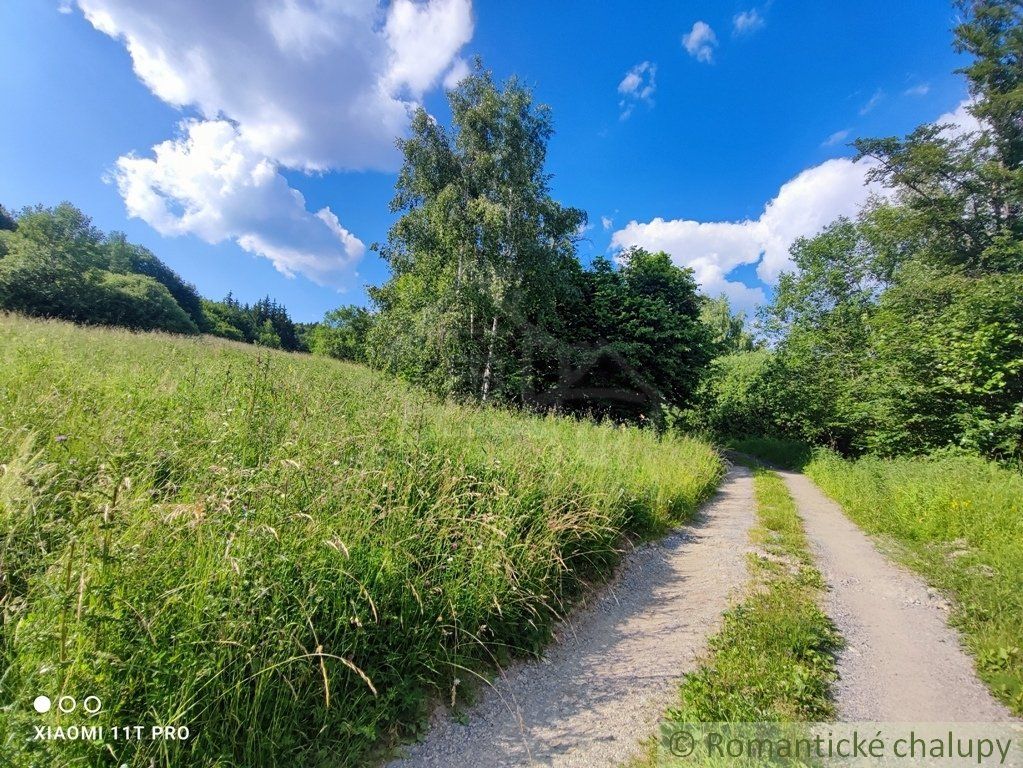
{"type": "Point", "coordinates": [42, 704]}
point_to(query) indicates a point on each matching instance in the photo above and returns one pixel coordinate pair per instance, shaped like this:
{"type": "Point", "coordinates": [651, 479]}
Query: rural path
{"type": "Point", "coordinates": [602, 687]}
{"type": "Point", "coordinates": [902, 662]}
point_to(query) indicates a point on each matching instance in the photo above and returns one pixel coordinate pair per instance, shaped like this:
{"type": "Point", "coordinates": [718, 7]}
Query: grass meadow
{"type": "Point", "coordinates": [290, 556]}
{"type": "Point", "coordinates": [958, 521]}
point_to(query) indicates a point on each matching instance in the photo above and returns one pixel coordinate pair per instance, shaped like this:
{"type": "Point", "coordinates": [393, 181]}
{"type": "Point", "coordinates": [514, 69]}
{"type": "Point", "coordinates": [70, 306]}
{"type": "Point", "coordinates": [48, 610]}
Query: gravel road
{"type": "Point", "coordinates": [614, 668]}
{"type": "Point", "coordinates": [902, 662]}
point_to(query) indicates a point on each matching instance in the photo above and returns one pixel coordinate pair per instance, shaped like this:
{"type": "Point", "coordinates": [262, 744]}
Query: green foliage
{"type": "Point", "coordinates": [734, 396]}
{"type": "Point", "coordinates": [57, 264]}
{"type": "Point", "coordinates": [139, 302]}
{"type": "Point", "coordinates": [786, 454]}
{"type": "Point", "coordinates": [487, 299]}
{"type": "Point", "coordinates": [265, 323]}
{"type": "Point", "coordinates": [963, 192]}
{"type": "Point", "coordinates": [7, 221]}
{"type": "Point", "coordinates": [290, 555]}
{"type": "Point", "coordinates": [727, 329]}
{"type": "Point", "coordinates": [906, 360]}
{"type": "Point", "coordinates": [342, 334]}
{"type": "Point", "coordinates": [637, 340]}
{"type": "Point", "coordinates": [992, 34]}
{"type": "Point", "coordinates": [481, 254]}
{"type": "Point", "coordinates": [900, 332]}
{"type": "Point", "coordinates": [946, 366]}
{"type": "Point", "coordinates": [959, 522]}
{"type": "Point", "coordinates": [129, 259]}
{"type": "Point", "coordinates": [821, 310]}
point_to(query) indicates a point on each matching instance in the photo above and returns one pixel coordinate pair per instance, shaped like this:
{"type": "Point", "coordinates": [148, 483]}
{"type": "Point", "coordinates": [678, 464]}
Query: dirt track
{"type": "Point", "coordinates": [605, 682]}
{"type": "Point", "coordinates": [902, 662]}
{"type": "Point", "coordinates": [603, 686]}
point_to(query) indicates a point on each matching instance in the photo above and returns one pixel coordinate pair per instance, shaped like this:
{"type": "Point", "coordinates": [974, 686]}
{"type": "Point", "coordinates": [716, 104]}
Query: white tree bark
{"type": "Point", "coordinates": [490, 359]}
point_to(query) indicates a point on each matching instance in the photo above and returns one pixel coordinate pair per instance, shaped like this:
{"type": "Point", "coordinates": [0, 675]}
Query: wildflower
{"type": "Point", "coordinates": [61, 438]}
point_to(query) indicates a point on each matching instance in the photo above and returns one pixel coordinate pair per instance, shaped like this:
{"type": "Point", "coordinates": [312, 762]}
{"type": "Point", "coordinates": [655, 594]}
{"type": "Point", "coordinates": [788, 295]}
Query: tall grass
{"type": "Point", "coordinates": [290, 556]}
{"type": "Point", "coordinates": [959, 521]}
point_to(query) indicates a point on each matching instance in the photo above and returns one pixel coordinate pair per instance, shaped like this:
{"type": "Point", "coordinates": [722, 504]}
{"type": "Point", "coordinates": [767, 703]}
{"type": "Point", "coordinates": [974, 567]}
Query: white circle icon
{"type": "Point", "coordinates": [42, 704]}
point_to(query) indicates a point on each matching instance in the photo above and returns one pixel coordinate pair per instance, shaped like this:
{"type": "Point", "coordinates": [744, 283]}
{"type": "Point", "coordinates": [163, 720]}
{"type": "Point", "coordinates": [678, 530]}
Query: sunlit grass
{"type": "Point", "coordinates": [289, 555]}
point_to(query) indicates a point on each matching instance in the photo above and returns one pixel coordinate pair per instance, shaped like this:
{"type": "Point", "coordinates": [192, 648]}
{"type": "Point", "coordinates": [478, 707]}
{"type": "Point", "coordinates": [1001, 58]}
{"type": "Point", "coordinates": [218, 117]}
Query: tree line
{"type": "Point", "coordinates": [901, 330]}
{"type": "Point", "coordinates": [55, 263]}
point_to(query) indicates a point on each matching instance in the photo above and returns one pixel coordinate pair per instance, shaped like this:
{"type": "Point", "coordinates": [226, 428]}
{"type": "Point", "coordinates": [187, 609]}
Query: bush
{"type": "Point", "coordinates": [56, 264]}
{"type": "Point", "coordinates": [140, 303]}
{"type": "Point", "coordinates": [947, 366]}
{"type": "Point", "coordinates": [733, 397]}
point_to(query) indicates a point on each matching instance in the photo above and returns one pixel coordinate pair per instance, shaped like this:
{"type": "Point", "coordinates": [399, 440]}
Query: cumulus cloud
{"type": "Point", "coordinates": [606, 222]}
{"type": "Point", "coordinates": [639, 84]}
{"type": "Point", "coordinates": [803, 206]}
{"type": "Point", "coordinates": [918, 90]}
{"type": "Point", "coordinates": [211, 183]}
{"type": "Point", "coordinates": [747, 22]}
{"type": "Point", "coordinates": [836, 138]}
{"type": "Point", "coordinates": [700, 42]}
{"type": "Point", "coordinates": [422, 38]}
{"type": "Point", "coordinates": [312, 85]}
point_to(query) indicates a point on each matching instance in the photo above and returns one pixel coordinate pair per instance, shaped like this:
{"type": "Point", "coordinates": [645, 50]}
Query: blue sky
{"type": "Point", "coordinates": [731, 105]}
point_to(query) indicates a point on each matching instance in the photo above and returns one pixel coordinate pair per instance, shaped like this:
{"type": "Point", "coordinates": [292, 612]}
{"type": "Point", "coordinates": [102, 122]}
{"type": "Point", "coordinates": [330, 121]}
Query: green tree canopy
{"type": "Point", "coordinates": [727, 329]}
{"type": "Point", "coordinates": [57, 264]}
{"type": "Point", "coordinates": [482, 255]}
{"type": "Point", "coordinates": [342, 334]}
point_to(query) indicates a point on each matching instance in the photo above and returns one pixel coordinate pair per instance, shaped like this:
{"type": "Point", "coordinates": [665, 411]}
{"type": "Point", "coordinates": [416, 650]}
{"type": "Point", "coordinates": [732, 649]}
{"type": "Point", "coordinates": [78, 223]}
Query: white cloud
{"type": "Point", "coordinates": [458, 72]}
{"type": "Point", "coordinates": [747, 22]}
{"type": "Point", "coordinates": [423, 38]}
{"type": "Point", "coordinates": [312, 85]}
{"type": "Point", "coordinates": [960, 121]}
{"type": "Point", "coordinates": [639, 84]}
{"type": "Point", "coordinates": [211, 183]}
{"type": "Point", "coordinates": [872, 102]}
{"type": "Point", "coordinates": [64, 6]}
{"type": "Point", "coordinates": [918, 90]}
{"type": "Point", "coordinates": [836, 138]}
{"type": "Point", "coordinates": [803, 206]}
{"type": "Point", "coordinates": [606, 222]}
{"type": "Point", "coordinates": [700, 42]}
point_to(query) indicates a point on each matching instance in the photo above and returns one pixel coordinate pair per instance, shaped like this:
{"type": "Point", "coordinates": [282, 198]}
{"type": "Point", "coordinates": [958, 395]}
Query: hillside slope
{"type": "Point", "coordinates": [286, 555]}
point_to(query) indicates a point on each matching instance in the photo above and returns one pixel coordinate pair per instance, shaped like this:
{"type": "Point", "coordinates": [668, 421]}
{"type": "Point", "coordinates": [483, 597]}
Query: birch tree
{"type": "Point", "coordinates": [481, 255]}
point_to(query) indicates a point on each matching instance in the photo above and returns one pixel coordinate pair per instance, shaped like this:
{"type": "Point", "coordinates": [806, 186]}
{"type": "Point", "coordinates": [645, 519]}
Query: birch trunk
{"type": "Point", "coordinates": [490, 359]}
